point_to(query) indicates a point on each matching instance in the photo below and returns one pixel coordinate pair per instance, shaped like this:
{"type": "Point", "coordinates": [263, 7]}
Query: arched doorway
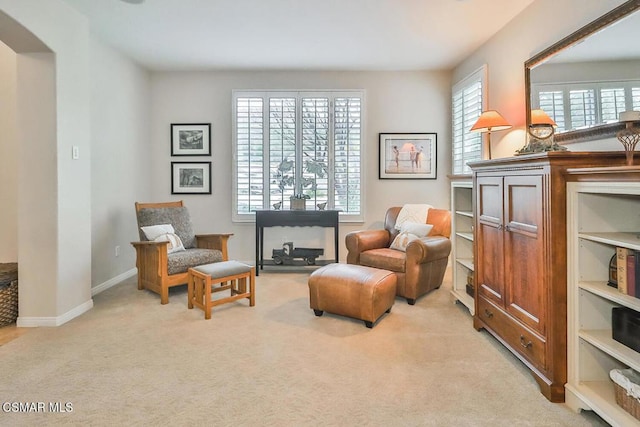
{"type": "Point", "coordinates": [53, 194]}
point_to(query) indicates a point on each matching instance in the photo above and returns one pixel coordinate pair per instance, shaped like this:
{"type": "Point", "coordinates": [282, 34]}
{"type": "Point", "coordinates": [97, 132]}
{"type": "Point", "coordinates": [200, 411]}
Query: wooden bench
{"type": "Point", "coordinates": [201, 281]}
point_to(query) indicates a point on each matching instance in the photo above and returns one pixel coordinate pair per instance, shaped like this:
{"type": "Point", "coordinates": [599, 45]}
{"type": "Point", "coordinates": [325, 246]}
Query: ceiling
{"type": "Point", "coordinates": [298, 34]}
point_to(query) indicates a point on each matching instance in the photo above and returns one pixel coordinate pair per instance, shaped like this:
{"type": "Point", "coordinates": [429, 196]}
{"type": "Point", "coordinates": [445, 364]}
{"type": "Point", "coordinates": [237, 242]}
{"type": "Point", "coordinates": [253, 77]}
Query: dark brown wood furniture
{"type": "Point", "coordinates": [520, 257]}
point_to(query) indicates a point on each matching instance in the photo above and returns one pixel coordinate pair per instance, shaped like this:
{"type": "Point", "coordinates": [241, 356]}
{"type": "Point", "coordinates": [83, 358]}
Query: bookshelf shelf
{"type": "Point", "coordinates": [599, 222]}
{"type": "Point", "coordinates": [462, 232]}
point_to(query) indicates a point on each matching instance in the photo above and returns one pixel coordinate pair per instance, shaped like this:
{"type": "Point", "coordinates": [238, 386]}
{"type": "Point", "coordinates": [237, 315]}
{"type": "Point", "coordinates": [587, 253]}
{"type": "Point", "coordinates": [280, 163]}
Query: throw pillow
{"type": "Point", "coordinates": [164, 233]}
{"type": "Point", "coordinates": [420, 230]}
{"type": "Point", "coordinates": [178, 217]}
{"type": "Point", "coordinates": [402, 240]}
{"type": "Point", "coordinates": [175, 244]}
{"type": "Point", "coordinates": [153, 231]}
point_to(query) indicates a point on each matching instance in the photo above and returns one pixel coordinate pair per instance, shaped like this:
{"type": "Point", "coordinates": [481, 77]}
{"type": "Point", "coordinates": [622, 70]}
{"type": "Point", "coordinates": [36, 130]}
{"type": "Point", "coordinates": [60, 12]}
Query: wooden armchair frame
{"type": "Point", "coordinates": [152, 262]}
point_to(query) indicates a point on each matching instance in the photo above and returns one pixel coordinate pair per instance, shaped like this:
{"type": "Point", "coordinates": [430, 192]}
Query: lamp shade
{"type": "Point", "coordinates": [539, 117]}
{"type": "Point", "coordinates": [490, 121]}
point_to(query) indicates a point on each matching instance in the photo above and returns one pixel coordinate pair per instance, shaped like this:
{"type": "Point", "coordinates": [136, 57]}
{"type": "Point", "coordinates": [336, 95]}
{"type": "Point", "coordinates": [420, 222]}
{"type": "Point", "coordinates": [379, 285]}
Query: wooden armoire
{"type": "Point", "coordinates": [520, 254]}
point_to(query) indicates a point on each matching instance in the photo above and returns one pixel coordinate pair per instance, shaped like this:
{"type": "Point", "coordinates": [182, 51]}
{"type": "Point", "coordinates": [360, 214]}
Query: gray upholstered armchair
{"type": "Point", "coordinates": [159, 270]}
{"type": "Point", "coordinates": [421, 268]}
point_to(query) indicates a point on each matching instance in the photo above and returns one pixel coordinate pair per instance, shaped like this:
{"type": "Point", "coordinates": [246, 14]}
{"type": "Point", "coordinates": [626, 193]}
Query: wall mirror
{"type": "Point", "coordinates": [586, 79]}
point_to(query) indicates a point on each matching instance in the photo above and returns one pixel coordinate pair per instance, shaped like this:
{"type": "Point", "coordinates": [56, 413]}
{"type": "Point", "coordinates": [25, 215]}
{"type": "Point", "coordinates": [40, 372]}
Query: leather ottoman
{"type": "Point", "coordinates": [355, 291]}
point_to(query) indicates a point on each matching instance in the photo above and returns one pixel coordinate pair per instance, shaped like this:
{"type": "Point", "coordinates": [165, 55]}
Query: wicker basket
{"type": "Point", "coordinates": [8, 293]}
{"type": "Point", "coordinates": [626, 383]}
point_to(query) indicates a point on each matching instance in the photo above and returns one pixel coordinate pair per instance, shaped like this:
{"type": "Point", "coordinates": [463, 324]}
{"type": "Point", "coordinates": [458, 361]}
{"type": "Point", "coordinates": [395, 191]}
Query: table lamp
{"type": "Point", "coordinates": [541, 131]}
{"type": "Point", "coordinates": [489, 121]}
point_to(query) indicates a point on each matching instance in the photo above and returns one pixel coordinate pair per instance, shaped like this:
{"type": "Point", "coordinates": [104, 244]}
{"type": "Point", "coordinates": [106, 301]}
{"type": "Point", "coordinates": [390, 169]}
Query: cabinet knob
{"type": "Point", "coordinates": [524, 343]}
{"type": "Point", "coordinates": [488, 313]}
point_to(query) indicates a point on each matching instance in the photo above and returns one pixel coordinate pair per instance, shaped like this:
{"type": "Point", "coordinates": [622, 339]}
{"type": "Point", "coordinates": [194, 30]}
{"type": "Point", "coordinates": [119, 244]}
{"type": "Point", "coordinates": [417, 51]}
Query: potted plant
{"type": "Point", "coordinates": [285, 178]}
{"type": "Point", "coordinates": [299, 201]}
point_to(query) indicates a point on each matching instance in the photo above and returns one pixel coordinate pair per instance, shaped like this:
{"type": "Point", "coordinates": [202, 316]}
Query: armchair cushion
{"type": "Point", "coordinates": [179, 262]}
{"type": "Point", "coordinates": [418, 229]}
{"type": "Point", "coordinates": [178, 217]}
{"type": "Point", "coordinates": [385, 259]}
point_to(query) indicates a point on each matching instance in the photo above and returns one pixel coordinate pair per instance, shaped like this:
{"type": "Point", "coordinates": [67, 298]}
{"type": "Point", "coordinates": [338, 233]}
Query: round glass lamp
{"type": "Point", "coordinates": [542, 126]}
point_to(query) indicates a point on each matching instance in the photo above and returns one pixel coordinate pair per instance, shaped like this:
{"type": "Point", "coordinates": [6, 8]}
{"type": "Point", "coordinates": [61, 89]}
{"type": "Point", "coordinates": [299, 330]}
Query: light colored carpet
{"type": "Point", "coordinates": [132, 361]}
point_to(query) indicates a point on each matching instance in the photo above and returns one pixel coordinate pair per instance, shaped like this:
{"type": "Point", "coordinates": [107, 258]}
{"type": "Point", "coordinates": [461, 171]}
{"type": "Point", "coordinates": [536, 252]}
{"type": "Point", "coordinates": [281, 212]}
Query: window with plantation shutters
{"type": "Point", "coordinates": [467, 105]}
{"type": "Point", "coordinates": [635, 97]}
{"type": "Point", "coordinates": [583, 105]}
{"type": "Point", "coordinates": [289, 144]}
{"type": "Point", "coordinates": [552, 103]}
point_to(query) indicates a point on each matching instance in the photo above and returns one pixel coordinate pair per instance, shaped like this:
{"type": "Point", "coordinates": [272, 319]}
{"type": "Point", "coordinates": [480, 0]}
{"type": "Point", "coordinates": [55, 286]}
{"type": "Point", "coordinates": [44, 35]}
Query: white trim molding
{"type": "Point", "coordinates": [112, 282]}
{"type": "Point", "coordinates": [32, 322]}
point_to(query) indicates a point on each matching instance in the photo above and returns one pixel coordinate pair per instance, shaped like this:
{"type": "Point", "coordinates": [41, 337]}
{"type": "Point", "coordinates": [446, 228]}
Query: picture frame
{"type": "Point", "coordinates": [408, 156]}
{"type": "Point", "coordinates": [191, 139]}
{"type": "Point", "coordinates": [190, 177]}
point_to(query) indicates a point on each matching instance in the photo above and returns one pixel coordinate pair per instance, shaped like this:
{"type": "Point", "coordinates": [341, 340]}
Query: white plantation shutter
{"type": "Point", "coordinates": [582, 105]}
{"type": "Point", "coordinates": [315, 149]}
{"type": "Point", "coordinates": [612, 103]}
{"type": "Point", "coordinates": [249, 132]}
{"type": "Point", "coordinates": [552, 103]}
{"type": "Point", "coordinates": [467, 105]}
{"type": "Point", "coordinates": [297, 142]}
{"type": "Point", "coordinates": [282, 149]}
{"type": "Point", "coordinates": [347, 154]}
{"type": "Point", "coordinates": [635, 98]}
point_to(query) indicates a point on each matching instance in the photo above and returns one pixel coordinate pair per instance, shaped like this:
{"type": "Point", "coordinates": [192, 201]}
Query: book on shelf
{"type": "Point", "coordinates": [621, 263]}
{"type": "Point", "coordinates": [631, 273]}
{"type": "Point", "coordinates": [628, 271]}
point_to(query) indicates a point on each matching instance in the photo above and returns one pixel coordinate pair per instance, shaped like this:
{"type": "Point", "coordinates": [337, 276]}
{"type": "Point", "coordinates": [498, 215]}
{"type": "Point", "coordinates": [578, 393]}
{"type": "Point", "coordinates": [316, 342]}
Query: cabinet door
{"type": "Point", "coordinates": [523, 239]}
{"type": "Point", "coordinates": [490, 246]}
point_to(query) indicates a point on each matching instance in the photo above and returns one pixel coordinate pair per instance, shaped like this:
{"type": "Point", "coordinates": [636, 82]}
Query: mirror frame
{"type": "Point", "coordinates": [598, 131]}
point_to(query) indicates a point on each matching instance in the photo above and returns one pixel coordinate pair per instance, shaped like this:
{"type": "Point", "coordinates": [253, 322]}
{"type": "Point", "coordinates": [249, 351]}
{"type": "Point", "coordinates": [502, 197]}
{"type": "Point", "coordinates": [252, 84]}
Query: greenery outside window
{"type": "Point", "coordinates": [294, 144]}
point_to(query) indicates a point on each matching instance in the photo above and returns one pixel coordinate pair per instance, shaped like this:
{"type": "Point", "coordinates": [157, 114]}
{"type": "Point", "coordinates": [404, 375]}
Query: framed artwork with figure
{"type": "Point", "coordinates": [408, 156]}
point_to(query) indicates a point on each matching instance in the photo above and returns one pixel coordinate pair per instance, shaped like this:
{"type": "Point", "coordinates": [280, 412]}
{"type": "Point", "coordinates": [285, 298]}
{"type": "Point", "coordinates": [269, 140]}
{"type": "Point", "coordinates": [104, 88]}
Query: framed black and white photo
{"type": "Point", "coordinates": [190, 177]}
{"type": "Point", "coordinates": [191, 139]}
{"type": "Point", "coordinates": [408, 156]}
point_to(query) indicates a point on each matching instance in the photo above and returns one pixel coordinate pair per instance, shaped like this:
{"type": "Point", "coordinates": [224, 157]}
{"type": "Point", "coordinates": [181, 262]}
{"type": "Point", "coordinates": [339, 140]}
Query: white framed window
{"type": "Point", "coordinates": [468, 100]}
{"type": "Point", "coordinates": [298, 143]}
{"type": "Point", "coordinates": [586, 104]}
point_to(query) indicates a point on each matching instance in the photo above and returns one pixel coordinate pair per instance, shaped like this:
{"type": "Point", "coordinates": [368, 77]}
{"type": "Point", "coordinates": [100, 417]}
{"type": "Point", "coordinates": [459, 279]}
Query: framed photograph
{"type": "Point", "coordinates": [408, 156]}
{"type": "Point", "coordinates": [191, 139]}
{"type": "Point", "coordinates": [190, 178]}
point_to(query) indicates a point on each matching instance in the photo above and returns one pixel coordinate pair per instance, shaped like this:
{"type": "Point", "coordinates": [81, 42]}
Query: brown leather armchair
{"type": "Point", "coordinates": [421, 268]}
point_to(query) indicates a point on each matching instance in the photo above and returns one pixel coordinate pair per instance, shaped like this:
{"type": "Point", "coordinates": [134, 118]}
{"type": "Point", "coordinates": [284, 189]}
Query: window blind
{"type": "Point", "coordinates": [291, 143]}
{"type": "Point", "coordinates": [467, 105]}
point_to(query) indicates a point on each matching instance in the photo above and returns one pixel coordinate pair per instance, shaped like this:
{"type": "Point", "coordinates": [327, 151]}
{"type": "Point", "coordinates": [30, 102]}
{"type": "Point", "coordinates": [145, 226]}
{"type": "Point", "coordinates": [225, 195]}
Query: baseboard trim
{"type": "Point", "coordinates": [112, 282]}
{"type": "Point", "coordinates": [33, 322]}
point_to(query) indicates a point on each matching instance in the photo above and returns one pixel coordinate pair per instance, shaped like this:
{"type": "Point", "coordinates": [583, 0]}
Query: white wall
{"type": "Point", "coordinates": [54, 211]}
{"type": "Point", "coordinates": [395, 102]}
{"type": "Point", "coordinates": [120, 92]}
{"type": "Point", "coordinates": [540, 25]}
{"type": "Point", "coordinates": [8, 157]}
